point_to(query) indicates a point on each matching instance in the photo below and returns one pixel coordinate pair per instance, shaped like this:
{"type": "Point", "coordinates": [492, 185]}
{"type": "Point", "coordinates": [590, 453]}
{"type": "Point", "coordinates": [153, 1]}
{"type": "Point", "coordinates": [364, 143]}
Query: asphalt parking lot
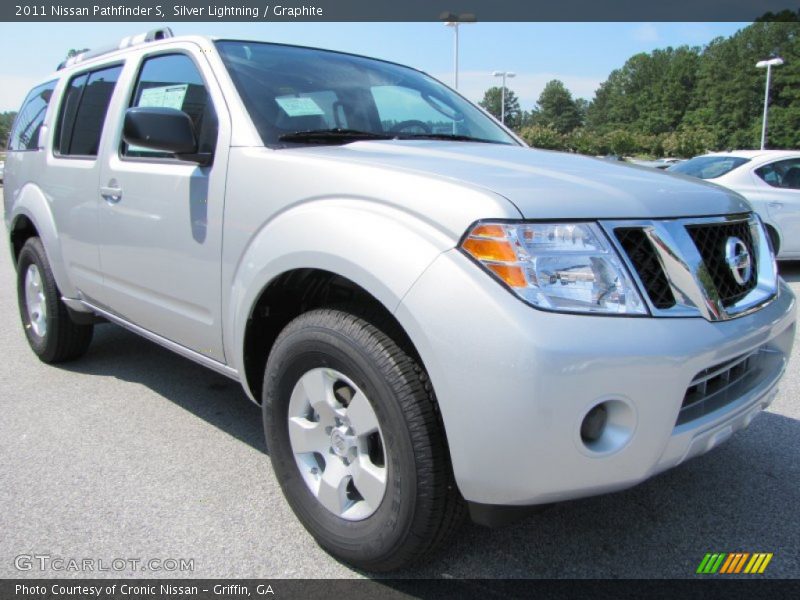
{"type": "Point", "coordinates": [134, 452]}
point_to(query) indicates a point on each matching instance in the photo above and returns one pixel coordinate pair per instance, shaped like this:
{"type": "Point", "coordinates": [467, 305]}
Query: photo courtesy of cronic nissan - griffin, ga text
{"type": "Point", "coordinates": [436, 319]}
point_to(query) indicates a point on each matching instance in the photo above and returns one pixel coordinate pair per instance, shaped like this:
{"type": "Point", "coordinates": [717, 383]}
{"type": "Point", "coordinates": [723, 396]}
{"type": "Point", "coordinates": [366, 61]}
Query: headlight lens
{"type": "Point", "coordinates": [568, 267]}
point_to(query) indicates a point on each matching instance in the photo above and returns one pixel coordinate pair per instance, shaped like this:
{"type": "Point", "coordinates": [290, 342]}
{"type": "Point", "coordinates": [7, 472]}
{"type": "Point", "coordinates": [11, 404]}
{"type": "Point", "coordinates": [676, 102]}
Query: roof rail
{"type": "Point", "coordinates": [153, 35]}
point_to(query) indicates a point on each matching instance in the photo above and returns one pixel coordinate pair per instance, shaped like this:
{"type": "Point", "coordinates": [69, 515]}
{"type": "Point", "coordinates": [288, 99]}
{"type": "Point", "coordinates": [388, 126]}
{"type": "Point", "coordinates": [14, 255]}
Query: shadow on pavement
{"type": "Point", "coordinates": [790, 270]}
{"type": "Point", "coordinates": [220, 401]}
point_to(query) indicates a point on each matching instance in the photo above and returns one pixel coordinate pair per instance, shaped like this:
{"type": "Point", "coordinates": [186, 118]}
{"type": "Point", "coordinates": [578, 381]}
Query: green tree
{"type": "Point", "coordinates": [678, 100]}
{"type": "Point", "coordinates": [542, 136]}
{"type": "Point", "coordinates": [730, 90]}
{"type": "Point", "coordinates": [582, 141]}
{"type": "Point", "coordinates": [621, 142]}
{"type": "Point", "coordinates": [492, 102]}
{"type": "Point", "coordinates": [649, 94]}
{"type": "Point", "coordinates": [688, 141]}
{"type": "Point", "coordinates": [557, 109]}
{"type": "Point", "coordinates": [6, 121]}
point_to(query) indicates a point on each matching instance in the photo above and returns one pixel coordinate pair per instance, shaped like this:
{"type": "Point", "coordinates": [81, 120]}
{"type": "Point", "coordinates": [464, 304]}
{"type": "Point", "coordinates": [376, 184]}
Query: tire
{"type": "Point", "coordinates": [52, 335]}
{"type": "Point", "coordinates": [421, 505]}
{"type": "Point", "coordinates": [774, 239]}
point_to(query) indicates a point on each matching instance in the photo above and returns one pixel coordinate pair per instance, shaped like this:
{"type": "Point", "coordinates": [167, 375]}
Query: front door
{"type": "Point", "coordinates": [161, 218]}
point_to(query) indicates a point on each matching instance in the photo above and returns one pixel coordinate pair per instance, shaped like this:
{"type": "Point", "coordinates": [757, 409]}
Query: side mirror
{"type": "Point", "coordinates": [162, 129]}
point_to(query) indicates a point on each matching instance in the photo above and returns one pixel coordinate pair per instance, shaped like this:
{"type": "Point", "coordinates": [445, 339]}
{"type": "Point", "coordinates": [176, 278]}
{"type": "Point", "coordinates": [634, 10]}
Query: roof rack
{"type": "Point", "coordinates": [153, 35]}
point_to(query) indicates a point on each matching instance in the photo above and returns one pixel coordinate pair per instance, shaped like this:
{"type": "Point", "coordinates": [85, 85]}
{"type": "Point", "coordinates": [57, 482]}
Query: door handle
{"type": "Point", "coordinates": [111, 194]}
{"type": "Point", "coordinates": [775, 204]}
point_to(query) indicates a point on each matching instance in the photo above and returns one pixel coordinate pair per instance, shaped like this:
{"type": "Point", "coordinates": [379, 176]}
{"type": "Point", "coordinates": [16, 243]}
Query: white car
{"type": "Point", "coordinates": [659, 163]}
{"type": "Point", "coordinates": [769, 179]}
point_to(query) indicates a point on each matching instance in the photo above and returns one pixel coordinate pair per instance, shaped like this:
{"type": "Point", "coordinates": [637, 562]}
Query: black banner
{"type": "Point", "coordinates": [397, 10]}
{"type": "Point", "coordinates": [358, 589]}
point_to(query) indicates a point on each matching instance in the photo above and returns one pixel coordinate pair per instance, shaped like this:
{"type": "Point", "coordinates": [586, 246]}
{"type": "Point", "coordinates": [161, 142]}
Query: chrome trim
{"type": "Point", "coordinates": [683, 266]}
{"type": "Point", "coordinates": [154, 337]}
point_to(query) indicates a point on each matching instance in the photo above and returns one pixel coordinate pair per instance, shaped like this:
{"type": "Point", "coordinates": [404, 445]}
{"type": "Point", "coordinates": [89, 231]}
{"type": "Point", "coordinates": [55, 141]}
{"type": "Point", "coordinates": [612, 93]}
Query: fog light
{"type": "Point", "coordinates": [606, 427]}
{"type": "Point", "coordinates": [594, 423]}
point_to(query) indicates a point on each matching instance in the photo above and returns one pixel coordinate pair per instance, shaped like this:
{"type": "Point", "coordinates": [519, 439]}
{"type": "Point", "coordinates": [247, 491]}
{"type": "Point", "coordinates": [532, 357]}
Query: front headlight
{"type": "Point", "coordinates": [567, 267]}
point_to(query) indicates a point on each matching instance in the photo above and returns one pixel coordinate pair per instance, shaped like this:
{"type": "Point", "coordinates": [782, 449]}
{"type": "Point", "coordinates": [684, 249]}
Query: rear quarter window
{"type": "Point", "coordinates": [25, 132]}
{"type": "Point", "coordinates": [781, 174]}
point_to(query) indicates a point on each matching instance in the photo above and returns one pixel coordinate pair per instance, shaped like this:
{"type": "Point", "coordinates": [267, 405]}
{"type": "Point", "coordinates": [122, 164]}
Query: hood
{"type": "Point", "coordinates": [544, 184]}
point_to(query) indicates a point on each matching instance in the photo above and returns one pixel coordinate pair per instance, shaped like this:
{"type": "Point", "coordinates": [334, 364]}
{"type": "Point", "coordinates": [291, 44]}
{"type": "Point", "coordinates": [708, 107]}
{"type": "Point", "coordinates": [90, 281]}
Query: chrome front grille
{"type": "Point", "coordinates": [710, 241]}
{"type": "Point", "coordinates": [683, 268]}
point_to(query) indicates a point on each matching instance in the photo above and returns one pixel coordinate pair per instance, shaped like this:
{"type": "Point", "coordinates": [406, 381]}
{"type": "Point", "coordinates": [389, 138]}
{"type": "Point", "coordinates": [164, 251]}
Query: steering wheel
{"type": "Point", "coordinates": [403, 125]}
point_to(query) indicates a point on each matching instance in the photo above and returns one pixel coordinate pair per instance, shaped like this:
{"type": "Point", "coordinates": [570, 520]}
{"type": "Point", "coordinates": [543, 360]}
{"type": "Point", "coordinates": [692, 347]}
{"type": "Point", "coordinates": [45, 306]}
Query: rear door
{"type": "Point", "coordinates": [161, 217]}
{"type": "Point", "coordinates": [71, 178]}
{"type": "Point", "coordinates": [778, 188]}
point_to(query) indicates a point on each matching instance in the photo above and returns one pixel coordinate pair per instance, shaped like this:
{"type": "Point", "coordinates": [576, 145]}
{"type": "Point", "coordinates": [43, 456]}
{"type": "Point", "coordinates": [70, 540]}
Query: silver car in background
{"type": "Point", "coordinates": [769, 179]}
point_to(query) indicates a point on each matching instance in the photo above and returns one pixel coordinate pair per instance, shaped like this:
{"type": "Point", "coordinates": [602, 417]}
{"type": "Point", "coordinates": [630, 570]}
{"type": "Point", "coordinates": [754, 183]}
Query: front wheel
{"type": "Point", "coordinates": [52, 334]}
{"type": "Point", "coordinates": [355, 441]}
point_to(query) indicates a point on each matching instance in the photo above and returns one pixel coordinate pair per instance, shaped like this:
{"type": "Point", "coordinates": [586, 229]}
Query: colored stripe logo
{"type": "Point", "coordinates": [729, 563]}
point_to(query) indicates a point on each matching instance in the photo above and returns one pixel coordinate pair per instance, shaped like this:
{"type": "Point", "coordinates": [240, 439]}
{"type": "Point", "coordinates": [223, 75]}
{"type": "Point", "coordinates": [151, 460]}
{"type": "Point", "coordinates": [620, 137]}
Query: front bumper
{"type": "Point", "coordinates": [514, 384]}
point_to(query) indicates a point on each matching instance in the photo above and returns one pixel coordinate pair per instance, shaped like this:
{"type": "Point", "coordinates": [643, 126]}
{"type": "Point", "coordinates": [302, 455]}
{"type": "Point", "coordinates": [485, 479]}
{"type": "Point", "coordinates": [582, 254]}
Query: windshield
{"type": "Point", "coordinates": [289, 90]}
{"type": "Point", "coordinates": [708, 167]}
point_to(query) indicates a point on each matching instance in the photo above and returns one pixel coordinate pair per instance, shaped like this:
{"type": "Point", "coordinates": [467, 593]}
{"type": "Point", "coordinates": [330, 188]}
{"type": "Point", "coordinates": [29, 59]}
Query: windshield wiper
{"type": "Point", "coordinates": [336, 135]}
{"type": "Point", "coordinates": [445, 136]}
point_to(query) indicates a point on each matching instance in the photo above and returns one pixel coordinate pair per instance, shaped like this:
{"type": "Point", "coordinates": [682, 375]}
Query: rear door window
{"type": "Point", "coordinates": [782, 174]}
{"type": "Point", "coordinates": [25, 133]}
{"type": "Point", "coordinates": [83, 112]}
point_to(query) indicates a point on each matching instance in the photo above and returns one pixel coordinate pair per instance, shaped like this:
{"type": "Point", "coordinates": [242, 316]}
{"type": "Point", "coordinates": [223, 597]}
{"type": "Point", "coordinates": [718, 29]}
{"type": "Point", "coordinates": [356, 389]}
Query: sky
{"type": "Point", "coordinates": [580, 54]}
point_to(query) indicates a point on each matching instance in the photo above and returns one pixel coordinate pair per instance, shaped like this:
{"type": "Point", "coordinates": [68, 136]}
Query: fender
{"type": "Point", "coordinates": [31, 202]}
{"type": "Point", "coordinates": [377, 246]}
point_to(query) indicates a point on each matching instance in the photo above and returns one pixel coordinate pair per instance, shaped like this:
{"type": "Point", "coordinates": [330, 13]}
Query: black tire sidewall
{"type": "Point", "coordinates": [33, 253]}
{"type": "Point", "coordinates": [385, 530]}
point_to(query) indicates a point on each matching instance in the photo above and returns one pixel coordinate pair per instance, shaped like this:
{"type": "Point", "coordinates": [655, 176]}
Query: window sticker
{"type": "Point", "coordinates": [168, 96]}
{"type": "Point", "coordinates": [299, 107]}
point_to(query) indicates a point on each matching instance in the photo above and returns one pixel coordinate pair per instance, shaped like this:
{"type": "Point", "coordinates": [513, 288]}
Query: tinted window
{"type": "Point", "coordinates": [25, 133]}
{"type": "Point", "coordinates": [83, 112]}
{"type": "Point", "coordinates": [782, 174]}
{"type": "Point", "coordinates": [288, 89]}
{"type": "Point", "coordinates": [174, 81]}
{"type": "Point", "coordinates": [708, 167]}
{"type": "Point", "coordinates": [69, 107]}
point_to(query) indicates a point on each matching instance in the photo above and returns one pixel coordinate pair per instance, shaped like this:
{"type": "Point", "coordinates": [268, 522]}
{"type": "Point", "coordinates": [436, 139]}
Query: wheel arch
{"type": "Point", "coordinates": [319, 253]}
{"type": "Point", "coordinates": [775, 237]}
{"type": "Point", "coordinates": [21, 230]}
{"type": "Point", "coordinates": [295, 292]}
{"type": "Point", "coordinates": [31, 215]}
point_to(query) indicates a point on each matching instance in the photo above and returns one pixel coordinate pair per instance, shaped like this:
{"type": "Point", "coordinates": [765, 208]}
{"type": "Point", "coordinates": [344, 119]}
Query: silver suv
{"type": "Point", "coordinates": [435, 318]}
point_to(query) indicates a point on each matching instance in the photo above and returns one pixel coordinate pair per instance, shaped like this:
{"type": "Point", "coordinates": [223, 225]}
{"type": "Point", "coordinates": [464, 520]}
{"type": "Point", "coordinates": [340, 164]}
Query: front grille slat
{"type": "Point", "coordinates": [710, 240]}
{"type": "Point", "coordinates": [712, 372]}
{"type": "Point", "coordinates": [643, 256]}
{"type": "Point", "coordinates": [721, 384]}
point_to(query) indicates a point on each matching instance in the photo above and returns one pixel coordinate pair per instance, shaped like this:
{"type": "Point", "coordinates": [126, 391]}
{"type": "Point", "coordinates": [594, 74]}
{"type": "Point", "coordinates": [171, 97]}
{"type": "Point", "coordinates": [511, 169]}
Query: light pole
{"type": "Point", "coordinates": [767, 64]}
{"type": "Point", "coordinates": [454, 21]}
{"type": "Point", "coordinates": [503, 74]}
